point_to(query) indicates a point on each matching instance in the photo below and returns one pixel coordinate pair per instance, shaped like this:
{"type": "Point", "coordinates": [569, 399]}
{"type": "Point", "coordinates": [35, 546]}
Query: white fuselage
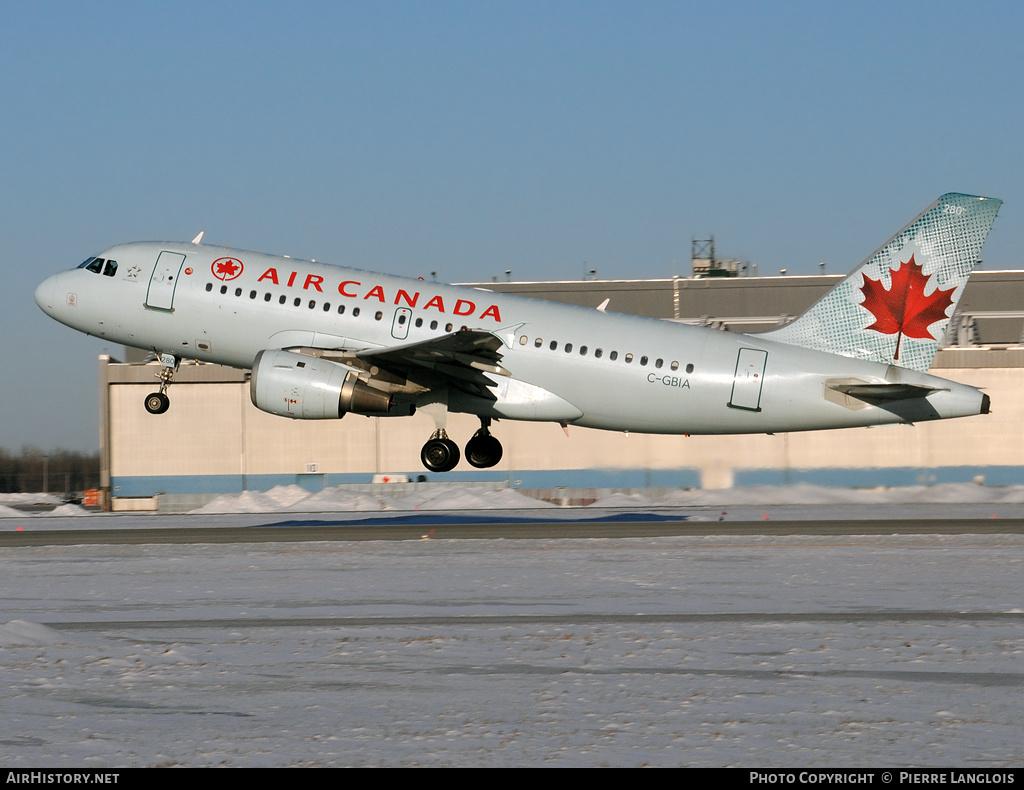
{"type": "Point", "coordinates": [562, 363]}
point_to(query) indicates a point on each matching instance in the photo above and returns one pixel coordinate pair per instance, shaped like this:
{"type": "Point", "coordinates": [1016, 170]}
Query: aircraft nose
{"type": "Point", "coordinates": [45, 294]}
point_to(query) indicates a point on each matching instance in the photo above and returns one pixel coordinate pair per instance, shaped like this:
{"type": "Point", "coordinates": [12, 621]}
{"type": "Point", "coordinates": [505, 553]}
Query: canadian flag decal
{"type": "Point", "coordinates": [904, 309]}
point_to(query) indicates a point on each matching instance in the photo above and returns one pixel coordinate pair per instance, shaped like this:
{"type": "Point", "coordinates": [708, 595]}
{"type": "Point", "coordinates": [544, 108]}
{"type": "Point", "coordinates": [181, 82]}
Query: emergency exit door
{"type": "Point", "coordinates": [747, 381]}
{"type": "Point", "coordinates": [164, 280]}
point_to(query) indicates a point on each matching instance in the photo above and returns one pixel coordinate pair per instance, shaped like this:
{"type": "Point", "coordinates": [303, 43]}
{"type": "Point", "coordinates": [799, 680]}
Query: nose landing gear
{"type": "Point", "coordinates": [158, 402]}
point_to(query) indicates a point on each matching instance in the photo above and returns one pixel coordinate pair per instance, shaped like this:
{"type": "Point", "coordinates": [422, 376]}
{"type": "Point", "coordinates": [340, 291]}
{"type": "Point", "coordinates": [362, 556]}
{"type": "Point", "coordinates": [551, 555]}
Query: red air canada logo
{"type": "Point", "coordinates": [355, 289]}
{"type": "Point", "coordinates": [903, 309]}
{"type": "Point", "coordinates": [226, 268]}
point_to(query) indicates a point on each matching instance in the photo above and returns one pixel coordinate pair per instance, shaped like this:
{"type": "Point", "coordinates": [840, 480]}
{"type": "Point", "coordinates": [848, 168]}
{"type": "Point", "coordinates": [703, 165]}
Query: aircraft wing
{"type": "Point", "coordinates": [457, 359]}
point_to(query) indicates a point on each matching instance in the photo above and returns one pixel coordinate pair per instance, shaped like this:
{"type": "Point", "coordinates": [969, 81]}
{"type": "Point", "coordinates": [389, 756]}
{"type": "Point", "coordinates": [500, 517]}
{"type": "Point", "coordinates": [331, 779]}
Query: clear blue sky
{"type": "Point", "coordinates": [468, 138]}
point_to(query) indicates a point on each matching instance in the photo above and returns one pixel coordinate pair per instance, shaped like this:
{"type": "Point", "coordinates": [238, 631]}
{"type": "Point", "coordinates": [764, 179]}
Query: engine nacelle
{"type": "Point", "coordinates": [311, 388]}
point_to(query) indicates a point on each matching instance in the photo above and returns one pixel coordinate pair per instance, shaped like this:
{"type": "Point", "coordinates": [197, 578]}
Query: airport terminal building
{"type": "Point", "coordinates": [213, 440]}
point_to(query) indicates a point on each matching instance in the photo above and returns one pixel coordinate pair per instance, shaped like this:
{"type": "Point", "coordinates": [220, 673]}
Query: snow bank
{"type": "Point", "coordinates": [454, 497]}
{"type": "Point", "coordinates": [22, 632]}
{"type": "Point", "coordinates": [335, 500]}
{"type": "Point", "coordinates": [29, 499]}
{"type": "Point", "coordinates": [67, 510]}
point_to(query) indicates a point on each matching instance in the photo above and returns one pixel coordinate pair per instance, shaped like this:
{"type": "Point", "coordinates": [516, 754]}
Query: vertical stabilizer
{"type": "Point", "coordinates": [895, 307]}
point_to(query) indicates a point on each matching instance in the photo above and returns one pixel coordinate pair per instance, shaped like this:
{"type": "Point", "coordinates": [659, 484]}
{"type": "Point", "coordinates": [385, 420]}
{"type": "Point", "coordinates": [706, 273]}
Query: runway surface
{"type": "Point", "coordinates": [668, 649]}
{"type": "Point", "coordinates": [267, 528]}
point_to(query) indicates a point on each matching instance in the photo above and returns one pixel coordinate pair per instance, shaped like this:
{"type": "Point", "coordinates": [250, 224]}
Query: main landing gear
{"type": "Point", "coordinates": [483, 451]}
{"type": "Point", "coordinates": [158, 402]}
{"type": "Point", "coordinates": [441, 454]}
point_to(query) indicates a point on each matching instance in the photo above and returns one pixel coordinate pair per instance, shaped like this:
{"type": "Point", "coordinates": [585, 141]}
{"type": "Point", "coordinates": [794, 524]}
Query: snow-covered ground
{"type": "Point", "coordinates": [454, 497]}
{"type": "Point", "coordinates": [766, 651]}
{"type": "Point", "coordinates": [949, 500]}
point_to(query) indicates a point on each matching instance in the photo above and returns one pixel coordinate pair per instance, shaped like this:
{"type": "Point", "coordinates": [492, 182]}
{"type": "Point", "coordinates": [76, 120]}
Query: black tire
{"type": "Point", "coordinates": [440, 455]}
{"type": "Point", "coordinates": [483, 452]}
{"type": "Point", "coordinates": [157, 403]}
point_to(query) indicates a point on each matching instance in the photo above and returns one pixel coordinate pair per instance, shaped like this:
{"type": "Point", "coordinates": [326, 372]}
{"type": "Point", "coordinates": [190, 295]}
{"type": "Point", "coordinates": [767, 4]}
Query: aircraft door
{"type": "Point", "coordinates": [746, 384]}
{"type": "Point", "coordinates": [164, 280]}
{"type": "Point", "coordinates": [400, 325]}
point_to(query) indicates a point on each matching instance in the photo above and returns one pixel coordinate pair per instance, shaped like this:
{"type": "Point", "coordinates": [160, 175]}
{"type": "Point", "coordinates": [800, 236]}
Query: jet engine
{"type": "Point", "coordinates": [311, 388]}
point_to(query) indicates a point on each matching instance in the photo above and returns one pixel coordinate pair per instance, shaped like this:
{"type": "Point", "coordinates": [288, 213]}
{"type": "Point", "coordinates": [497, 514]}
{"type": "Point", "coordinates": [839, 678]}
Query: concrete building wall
{"type": "Point", "coordinates": [213, 439]}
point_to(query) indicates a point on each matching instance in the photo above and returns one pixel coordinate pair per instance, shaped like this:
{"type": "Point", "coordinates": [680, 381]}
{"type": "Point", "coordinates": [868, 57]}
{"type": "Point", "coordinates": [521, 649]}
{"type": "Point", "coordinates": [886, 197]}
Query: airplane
{"type": "Point", "coordinates": [322, 341]}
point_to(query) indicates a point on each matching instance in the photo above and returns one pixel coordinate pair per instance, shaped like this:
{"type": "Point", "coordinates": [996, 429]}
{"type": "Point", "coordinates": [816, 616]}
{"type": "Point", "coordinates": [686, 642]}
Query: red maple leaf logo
{"type": "Point", "coordinates": [903, 309]}
{"type": "Point", "coordinates": [227, 268]}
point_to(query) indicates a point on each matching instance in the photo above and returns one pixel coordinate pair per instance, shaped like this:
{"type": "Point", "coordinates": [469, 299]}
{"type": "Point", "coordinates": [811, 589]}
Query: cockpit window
{"type": "Point", "coordinates": [93, 265]}
{"type": "Point", "coordinates": [98, 266]}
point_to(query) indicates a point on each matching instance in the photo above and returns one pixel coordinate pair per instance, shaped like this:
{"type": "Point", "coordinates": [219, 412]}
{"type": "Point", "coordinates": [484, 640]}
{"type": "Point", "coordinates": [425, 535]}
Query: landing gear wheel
{"type": "Point", "coordinates": [440, 455]}
{"type": "Point", "coordinates": [483, 451]}
{"type": "Point", "coordinates": [157, 403]}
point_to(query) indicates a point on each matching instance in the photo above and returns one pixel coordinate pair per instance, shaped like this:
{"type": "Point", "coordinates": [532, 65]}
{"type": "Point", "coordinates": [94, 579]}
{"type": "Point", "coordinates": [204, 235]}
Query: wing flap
{"type": "Point", "coordinates": [458, 359]}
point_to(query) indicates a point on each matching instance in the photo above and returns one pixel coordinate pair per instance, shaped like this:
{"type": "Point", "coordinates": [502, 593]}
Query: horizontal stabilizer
{"type": "Point", "coordinates": [882, 392]}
